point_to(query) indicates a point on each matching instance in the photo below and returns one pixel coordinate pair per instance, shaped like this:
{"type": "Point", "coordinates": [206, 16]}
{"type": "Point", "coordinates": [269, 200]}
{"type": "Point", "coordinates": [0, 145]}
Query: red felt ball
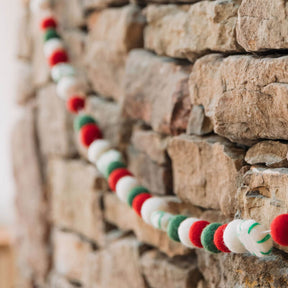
{"type": "Point", "coordinates": [218, 239]}
{"type": "Point", "coordinates": [279, 229]}
{"type": "Point", "coordinates": [48, 22]}
{"type": "Point", "coordinates": [89, 133]}
{"type": "Point", "coordinates": [116, 175]}
{"type": "Point", "coordinates": [196, 231]}
{"type": "Point", "coordinates": [58, 56]}
{"type": "Point", "coordinates": [75, 104]}
{"type": "Point", "coordinates": [138, 201]}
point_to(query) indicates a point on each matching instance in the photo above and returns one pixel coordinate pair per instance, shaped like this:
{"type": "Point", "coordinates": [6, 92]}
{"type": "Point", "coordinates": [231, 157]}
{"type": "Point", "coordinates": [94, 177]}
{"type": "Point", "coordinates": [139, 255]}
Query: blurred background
{"type": "Point", "coordinates": [8, 112]}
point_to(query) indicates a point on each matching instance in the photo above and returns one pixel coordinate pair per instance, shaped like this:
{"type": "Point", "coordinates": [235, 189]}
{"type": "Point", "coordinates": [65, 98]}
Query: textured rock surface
{"type": "Point", "coordinates": [161, 271]}
{"type": "Point", "coordinates": [156, 91]}
{"type": "Point", "coordinates": [108, 44]}
{"type": "Point", "coordinates": [258, 104]}
{"type": "Point", "coordinates": [263, 25]}
{"type": "Point", "coordinates": [205, 171]}
{"type": "Point", "coordinates": [118, 265]}
{"type": "Point", "coordinates": [190, 31]}
{"type": "Point", "coordinates": [76, 204]}
{"type": "Point", "coordinates": [242, 271]}
{"type": "Point", "coordinates": [270, 153]}
{"type": "Point", "coordinates": [54, 124]}
{"type": "Point", "coordinates": [70, 255]}
{"type": "Point", "coordinates": [32, 226]}
{"type": "Point", "coordinates": [91, 4]}
{"type": "Point", "coordinates": [263, 194]}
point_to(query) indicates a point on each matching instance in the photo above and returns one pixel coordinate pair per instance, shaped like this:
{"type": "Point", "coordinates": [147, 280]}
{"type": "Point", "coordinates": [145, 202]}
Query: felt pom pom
{"type": "Point", "coordinates": [48, 22]}
{"type": "Point", "coordinates": [60, 70]}
{"type": "Point", "coordinates": [151, 205]}
{"type": "Point", "coordinates": [173, 226]}
{"type": "Point", "coordinates": [89, 133]}
{"type": "Point", "coordinates": [183, 231]}
{"type": "Point", "coordinates": [97, 148]}
{"type": "Point", "coordinates": [196, 231]}
{"type": "Point", "coordinates": [134, 192]}
{"type": "Point", "coordinates": [161, 219]}
{"type": "Point", "coordinates": [69, 86]}
{"type": "Point", "coordinates": [51, 46]}
{"type": "Point", "coordinates": [124, 186]}
{"type": "Point", "coordinates": [207, 237]}
{"type": "Point", "coordinates": [115, 165]}
{"type": "Point", "coordinates": [218, 239]}
{"type": "Point", "coordinates": [50, 34]}
{"type": "Point", "coordinates": [58, 56]}
{"type": "Point", "coordinates": [82, 120]}
{"type": "Point", "coordinates": [106, 158]}
{"type": "Point", "coordinates": [139, 201]}
{"type": "Point", "coordinates": [75, 104]}
{"type": "Point", "coordinates": [39, 5]}
{"type": "Point", "coordinates": [279, 229]}
{"type": "Point", "coordinates": [116, 175]}
{"type": "Point", "coordinates": [255, 238]}
{"type": "Point", "coordinates": [231, 239]}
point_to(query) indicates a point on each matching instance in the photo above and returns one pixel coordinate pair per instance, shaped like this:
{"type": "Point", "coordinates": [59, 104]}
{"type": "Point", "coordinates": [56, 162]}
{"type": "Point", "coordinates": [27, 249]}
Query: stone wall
{"type": "Point", "coordinates": [195, 94]}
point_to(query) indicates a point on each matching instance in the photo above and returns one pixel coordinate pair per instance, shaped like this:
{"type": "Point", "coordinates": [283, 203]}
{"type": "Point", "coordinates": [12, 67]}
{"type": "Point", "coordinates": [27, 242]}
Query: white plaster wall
{"type": "Point", "coordinates": [8, 111]}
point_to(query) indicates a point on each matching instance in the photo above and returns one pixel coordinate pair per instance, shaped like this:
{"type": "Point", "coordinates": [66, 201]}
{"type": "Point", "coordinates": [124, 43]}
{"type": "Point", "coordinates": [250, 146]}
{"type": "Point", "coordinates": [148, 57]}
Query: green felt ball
{"type": "Point", "coordinates": [115, 165]}
{"type": "Point", "coordinates": [134, 192]}
{"type": "Point", "coordinates": [207, 237]}
{"type": "Point", "coordinates": [50, 34]}
{"type": "Point", "coordinates": [173, 225]}
{"type": "Point", "coordinates": [82, 120]}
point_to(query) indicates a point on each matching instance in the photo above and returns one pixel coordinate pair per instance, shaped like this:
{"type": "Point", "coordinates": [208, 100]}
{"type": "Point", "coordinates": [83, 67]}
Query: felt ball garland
{"type": "Point", "coordinates": [207, 238]}
{"type": "Point", "coordinates": [231, 239]}
{"type": "Point", "coordinates": [115, 165]}
{"type": "Point", "coordinates": [195, 232]}
{"type": "Point", "coordinates": [218, 239]}
{"type": "Point", "coordinates": [124, 186]}
{"type": "Point", "coordinates": [279, 229]}
{"type": "Point", "coordinates": [48, 22]}
{"type": "Point", "coordinates": [97, 148]}
{"type": "Point", "coordinates": [51, 34]}
{"type": "Point", "coordinates": [116, 175]}
{"type": "Point", "coordinates": [160, 220]}
{"type": "Point", "coordinates": [58, 56]}
{"type": "Point", "coordinates": [183, 231]}
{"type": "Point", "coordinates": [82, 120]}
{"type": "Point", "coordinates": [173, 226]}
{"type": "Point", "coordinates": [106, 158]}
{"type": "Point", "coordinates": [134, 192]}
{"type": "Point", "coordinates": [60, 70]}
{"type": "Point", "coordinates": [151, 205]}
{"type": "Point", "coordinates": [89, 133]}
{"type": "Point", "coordinates": [254, 237]}
{"type": "Point", "coordinates": [75, 104]}
{"type": "Point", "coordinates": [238, 236]}
{"type": "Point", "coordinates": [139, 201]}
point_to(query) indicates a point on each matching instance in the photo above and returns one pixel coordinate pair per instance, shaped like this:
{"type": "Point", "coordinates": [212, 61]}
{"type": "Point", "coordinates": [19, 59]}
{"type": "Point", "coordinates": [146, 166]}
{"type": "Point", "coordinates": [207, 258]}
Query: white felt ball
{"type": "Point", "coordinates": [97, 148]}
{"type": "Point", "coordinates": [52, 45]}
{"type": "Point", "coordinates": [124, 186]}
{"type": "Point", "coordinates": [106, 158]}
{"type": "Point", "coordinates": [160, 220]}
{"type": "Point", "coordinates": [255, 238]}
{"type": "Point", "coordinates": [151, 205]}
{"type": "Point", "coordinates": [183, 231]}
{"type": "Point", "coordinates": [69, 86]}
{"type": "Point", "coordinates": [38, 5]}
{"type": "Point", "coordinates": [62, 70]}
{"type": "Point", "coordinates": [231, 239]}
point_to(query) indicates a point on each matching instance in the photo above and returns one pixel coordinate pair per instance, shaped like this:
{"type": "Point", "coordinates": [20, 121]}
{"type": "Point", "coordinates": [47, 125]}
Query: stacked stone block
{"type": "Point", "coordinates": [194, 94]}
